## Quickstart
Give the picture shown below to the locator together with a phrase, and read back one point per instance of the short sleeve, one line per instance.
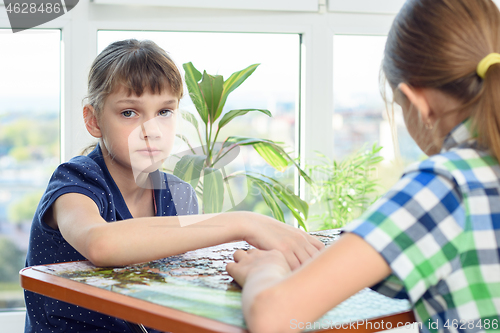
(80, 175)
(415, 227)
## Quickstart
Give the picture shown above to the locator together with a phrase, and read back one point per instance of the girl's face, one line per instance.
(138, 132)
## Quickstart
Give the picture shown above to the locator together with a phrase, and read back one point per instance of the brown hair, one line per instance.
(137, 65)
(438, 44)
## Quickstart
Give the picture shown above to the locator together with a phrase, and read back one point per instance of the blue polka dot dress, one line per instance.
(88, 175)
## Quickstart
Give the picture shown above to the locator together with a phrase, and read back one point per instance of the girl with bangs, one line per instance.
(134, 90)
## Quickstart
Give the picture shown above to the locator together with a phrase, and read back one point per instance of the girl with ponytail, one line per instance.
(434, 237)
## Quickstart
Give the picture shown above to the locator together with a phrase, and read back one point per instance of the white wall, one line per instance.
(12, 322)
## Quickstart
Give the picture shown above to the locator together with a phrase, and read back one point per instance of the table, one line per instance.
(192, 292)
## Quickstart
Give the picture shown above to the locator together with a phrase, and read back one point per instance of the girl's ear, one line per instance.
(90, 118)
(418, 98)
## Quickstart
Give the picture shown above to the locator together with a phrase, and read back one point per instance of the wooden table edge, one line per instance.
(161, 317)
(125, 307)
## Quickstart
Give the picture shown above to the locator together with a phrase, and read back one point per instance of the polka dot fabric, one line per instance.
(89, 176)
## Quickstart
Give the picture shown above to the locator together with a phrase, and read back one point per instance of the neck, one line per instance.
(132, 187)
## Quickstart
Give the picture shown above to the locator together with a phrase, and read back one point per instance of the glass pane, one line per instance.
(346, 188)
(360, 116)
(273, 86)
(29, 142)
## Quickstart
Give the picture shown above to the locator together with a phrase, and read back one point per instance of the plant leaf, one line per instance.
(188, 116)
(233, 82)
(213, 191)
(245, 141)
(289, 197)
(186, 140)
(189, 168)
(192, 76)
(273, 156)
(211, 88)
(269, 199)
(240, 112)
(241, 141)
(295, 204)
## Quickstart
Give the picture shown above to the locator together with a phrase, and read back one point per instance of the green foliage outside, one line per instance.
(10, 286)
(343, 190)
(24, 209)
(202, 167)
(11, 260)
(27, 139)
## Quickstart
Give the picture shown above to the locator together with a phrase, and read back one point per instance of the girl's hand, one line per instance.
(296, 245)
(272, 296)
(254, 261)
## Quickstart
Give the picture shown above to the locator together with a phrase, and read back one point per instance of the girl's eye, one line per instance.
(165, 113)
(128, 113)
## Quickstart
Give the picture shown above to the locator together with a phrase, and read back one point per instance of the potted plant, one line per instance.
(343, 190)
(203, 166)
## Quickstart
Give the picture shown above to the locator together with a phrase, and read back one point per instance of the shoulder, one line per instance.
(79, 175)
(460, 158)
(467, 167)
(83, 166)
(422, 195)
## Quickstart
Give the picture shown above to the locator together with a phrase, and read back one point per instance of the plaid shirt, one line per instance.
(439, 230)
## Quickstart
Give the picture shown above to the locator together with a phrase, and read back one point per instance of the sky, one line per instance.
(29, 69)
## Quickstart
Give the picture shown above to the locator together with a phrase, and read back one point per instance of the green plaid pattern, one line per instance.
(439, 230)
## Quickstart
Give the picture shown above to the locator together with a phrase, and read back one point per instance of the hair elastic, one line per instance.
(486, 63)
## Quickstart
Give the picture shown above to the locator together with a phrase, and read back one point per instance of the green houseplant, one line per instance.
(343, 190)
(201, 166)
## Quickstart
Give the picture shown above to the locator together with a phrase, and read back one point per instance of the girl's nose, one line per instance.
(150, 130)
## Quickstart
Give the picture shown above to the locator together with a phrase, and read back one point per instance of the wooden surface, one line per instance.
(192, 293)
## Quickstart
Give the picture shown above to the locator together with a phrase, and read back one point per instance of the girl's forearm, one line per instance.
(124, 243)
(149, 238)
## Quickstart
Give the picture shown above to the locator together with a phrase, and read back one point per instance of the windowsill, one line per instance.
(12, 320)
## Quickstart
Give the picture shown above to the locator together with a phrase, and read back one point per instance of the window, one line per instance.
(359, 113)
(30, 89)
(29, 143)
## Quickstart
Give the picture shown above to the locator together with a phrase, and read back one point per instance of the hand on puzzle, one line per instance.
(252, 261)
(296, 245)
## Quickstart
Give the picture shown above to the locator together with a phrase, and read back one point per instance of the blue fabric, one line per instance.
(88, 175)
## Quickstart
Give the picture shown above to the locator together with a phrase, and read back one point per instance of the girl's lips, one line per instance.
(149, 152)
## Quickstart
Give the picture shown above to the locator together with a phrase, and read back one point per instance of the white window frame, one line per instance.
(314, 131)
(278, 5)
(366, 6)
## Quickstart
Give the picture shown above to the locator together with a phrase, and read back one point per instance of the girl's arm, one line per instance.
(149, 238)
(276, 300)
